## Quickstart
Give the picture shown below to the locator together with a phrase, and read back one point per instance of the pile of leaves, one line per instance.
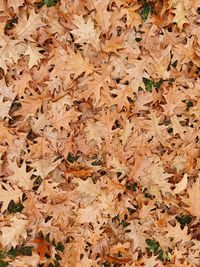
(99, 133)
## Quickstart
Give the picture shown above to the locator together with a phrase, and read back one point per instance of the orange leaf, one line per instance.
(42, 247)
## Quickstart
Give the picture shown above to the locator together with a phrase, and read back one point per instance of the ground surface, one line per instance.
(99, 137)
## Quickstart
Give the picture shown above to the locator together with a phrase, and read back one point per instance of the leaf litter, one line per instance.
(99, 139)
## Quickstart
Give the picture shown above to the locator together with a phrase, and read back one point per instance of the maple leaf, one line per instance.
(86, 32)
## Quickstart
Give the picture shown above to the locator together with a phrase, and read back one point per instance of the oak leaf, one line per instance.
(134, 19)
(97, 86)
(44, 166)
(182, 185)
(156, 180)
(194, 199)
(34, 55)
(17, 230)
(180, 14)
(124, 95)
(177, 233)
(10, 51)
(20, 177)
(27, 26)
(86, 32)
(4, 108)
(102, 15)
(77, 64)
(42, 247)
(6, 91)
(94, 131)
(89, 214)
(15, 4)
(6, 135)
(21, 83)
(8, 193)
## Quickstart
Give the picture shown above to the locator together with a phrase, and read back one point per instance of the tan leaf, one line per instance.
(194, 199)
(27, 26)
(10, 51)
(15, 4)
(86, 32)
(34, 55)
(4, 108)
(94, 132)
(182, 185)
(77, 64)
(12, 234)
(180, 14)
(20, 177)
(177, 233)
(8, 193)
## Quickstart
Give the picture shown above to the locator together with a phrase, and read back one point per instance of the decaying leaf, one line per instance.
(99, 133)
